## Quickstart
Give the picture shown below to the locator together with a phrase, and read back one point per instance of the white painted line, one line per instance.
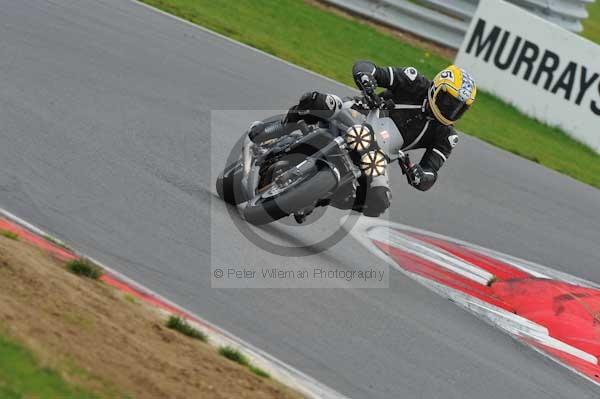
(516, 326)
(27, 225)
(460, 299)
(525, 328)
(466, 302)
(431, 253)
(533, 268)
(280, 370)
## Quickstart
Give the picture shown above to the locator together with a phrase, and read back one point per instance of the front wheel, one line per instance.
(302, 195)
(229, 184)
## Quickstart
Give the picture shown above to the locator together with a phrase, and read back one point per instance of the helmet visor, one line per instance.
(450, 107)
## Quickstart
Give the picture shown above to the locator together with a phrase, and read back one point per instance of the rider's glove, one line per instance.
(366, 82)
(389, 104)
(419, 178)
(415, 175)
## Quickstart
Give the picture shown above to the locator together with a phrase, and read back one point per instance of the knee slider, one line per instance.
(378, 200)
(308, 99)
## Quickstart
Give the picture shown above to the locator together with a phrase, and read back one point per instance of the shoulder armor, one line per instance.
(411, 73)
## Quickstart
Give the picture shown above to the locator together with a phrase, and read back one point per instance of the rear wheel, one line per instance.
(302, 194)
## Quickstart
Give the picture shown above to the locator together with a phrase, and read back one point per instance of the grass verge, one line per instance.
(85, 268)
(9, 234)
(181, 325)
(238, 357)
(591, 26)
(319, 40)
(258, 371)
(21, 376)
(67, 337)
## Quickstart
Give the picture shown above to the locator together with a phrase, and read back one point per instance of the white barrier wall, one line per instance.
(544, 70)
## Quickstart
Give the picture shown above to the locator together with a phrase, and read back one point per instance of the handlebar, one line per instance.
(374, 101)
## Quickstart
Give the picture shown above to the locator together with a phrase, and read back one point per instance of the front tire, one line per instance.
(229, 184)
(304, 195)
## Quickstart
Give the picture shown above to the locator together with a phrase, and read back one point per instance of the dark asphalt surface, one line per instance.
(105, 141)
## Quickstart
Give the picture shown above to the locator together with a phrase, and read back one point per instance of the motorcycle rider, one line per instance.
(424, 112)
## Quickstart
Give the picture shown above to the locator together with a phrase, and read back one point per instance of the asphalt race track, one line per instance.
(105, 140)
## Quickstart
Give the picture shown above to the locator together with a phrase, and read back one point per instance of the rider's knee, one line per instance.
(321, 105)
(377, 201)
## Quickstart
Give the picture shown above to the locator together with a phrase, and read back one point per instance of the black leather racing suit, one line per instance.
(407, 88)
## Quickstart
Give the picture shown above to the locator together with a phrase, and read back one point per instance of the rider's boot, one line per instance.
(261, 131)
(301, 217)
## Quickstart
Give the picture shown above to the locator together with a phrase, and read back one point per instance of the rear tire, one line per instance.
(306, 194)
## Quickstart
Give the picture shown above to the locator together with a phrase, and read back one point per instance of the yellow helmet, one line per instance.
(451, 94)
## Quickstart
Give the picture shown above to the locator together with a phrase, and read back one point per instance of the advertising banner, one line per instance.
(542, 69)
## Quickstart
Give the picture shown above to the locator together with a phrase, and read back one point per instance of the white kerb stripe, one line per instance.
(391, 75)
(440, 154)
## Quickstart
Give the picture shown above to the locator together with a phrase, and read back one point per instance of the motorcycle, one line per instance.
(291, 169)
